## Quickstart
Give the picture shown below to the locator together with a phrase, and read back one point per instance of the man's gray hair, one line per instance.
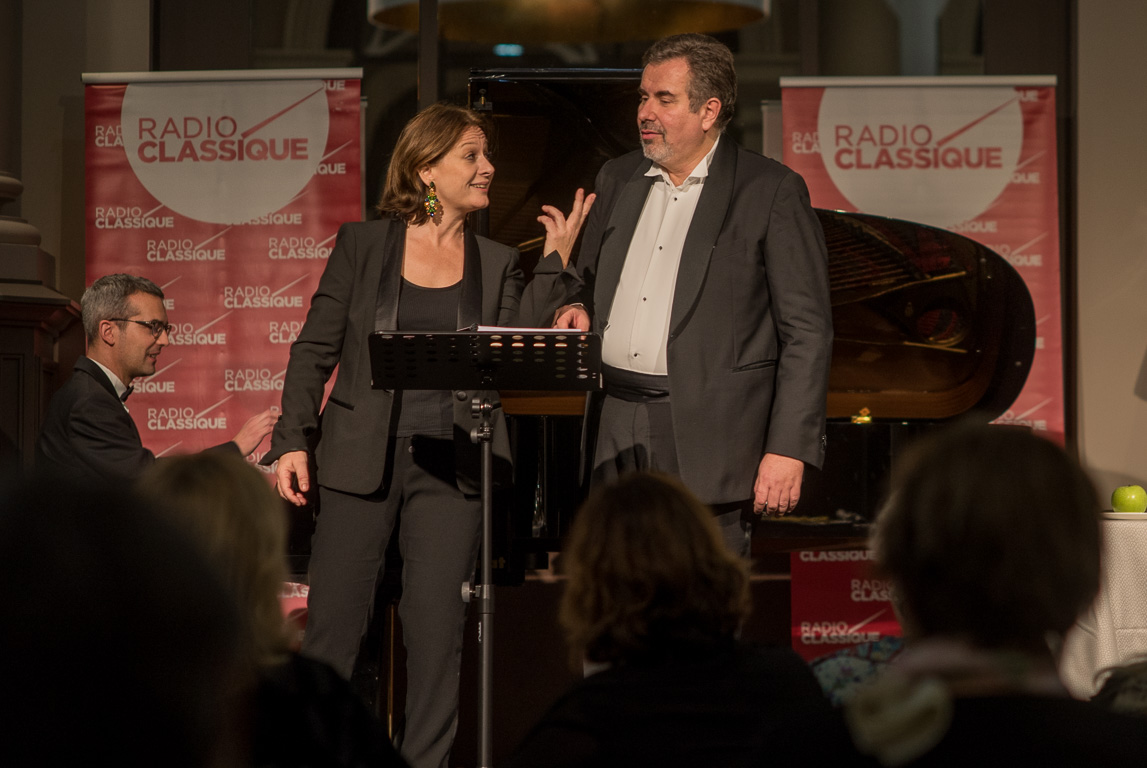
(108, 298)
(711, 71)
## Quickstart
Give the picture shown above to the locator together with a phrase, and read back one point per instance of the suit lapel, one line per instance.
(708, 221)
(85, 365)
(88, 366)
(620, 228)
(470, 303)
(389, 277)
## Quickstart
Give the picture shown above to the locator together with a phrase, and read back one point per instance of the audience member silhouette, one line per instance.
(304, 714)
(119, 644)
(655, 598)
(991, 540)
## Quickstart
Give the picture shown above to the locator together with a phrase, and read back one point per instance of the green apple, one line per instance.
(1129, 498)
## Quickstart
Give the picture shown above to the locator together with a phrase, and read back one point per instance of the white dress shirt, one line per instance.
(120, 387)
(637, 330)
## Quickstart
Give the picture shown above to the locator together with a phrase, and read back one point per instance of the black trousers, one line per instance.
(638, 437)
(438, 538)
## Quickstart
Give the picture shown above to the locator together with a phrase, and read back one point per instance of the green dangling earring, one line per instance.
(432, 206)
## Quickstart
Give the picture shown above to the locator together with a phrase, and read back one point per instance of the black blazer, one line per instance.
(750, 335)
(358, 294)
(88, 435)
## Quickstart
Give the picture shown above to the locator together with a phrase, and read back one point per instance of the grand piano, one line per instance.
(929, 325)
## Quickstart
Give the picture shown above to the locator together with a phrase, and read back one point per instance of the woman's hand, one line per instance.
(562, 230)
(292, 477)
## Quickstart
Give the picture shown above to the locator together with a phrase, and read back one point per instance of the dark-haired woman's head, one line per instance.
(990, 535)
(646, 565)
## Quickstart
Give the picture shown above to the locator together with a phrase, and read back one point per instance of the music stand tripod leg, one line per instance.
(483, 593)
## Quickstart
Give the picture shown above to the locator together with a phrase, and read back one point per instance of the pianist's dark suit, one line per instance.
(89, 435)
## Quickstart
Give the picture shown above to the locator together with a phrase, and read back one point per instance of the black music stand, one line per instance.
(499, 358)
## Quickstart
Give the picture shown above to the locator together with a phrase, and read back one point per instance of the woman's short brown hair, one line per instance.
(424, 141)
(646, 563)
(230, 510)
(990, 534)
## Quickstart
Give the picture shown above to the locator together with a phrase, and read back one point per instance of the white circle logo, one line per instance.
(225, 153)
(939, 156)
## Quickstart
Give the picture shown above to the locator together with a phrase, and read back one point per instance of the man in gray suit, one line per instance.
(705, 272)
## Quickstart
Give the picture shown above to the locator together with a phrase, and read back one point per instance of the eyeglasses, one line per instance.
(157, 327)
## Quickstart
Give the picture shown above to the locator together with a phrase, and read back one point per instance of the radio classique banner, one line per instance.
(837, 602)
(226, 189)
(974, 155)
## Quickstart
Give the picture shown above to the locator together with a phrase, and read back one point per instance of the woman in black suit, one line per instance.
(376, 454)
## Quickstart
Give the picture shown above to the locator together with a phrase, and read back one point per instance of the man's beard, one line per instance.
(658, 152)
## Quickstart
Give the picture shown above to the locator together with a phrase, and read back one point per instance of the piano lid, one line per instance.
(928, 323)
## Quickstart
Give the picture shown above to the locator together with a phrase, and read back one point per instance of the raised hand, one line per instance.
(562, 230)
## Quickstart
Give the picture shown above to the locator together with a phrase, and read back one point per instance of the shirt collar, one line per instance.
(699, 172)
(119, 386)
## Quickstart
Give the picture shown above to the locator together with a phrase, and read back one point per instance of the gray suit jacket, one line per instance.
(358, 294)
(750, 332)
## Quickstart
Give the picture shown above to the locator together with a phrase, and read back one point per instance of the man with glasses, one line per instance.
(88, 431)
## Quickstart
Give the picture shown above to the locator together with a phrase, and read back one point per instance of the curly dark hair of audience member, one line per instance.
(991, 534)
(119, 643)
(712, 74)
(424, 141)
(645, 563)
(108, 297)
(227, 506)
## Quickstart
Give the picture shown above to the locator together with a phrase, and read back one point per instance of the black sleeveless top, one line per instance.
(428, 412)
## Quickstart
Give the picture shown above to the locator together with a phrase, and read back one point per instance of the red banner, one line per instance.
(836, 603)
(973, 155)
(227, 194)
